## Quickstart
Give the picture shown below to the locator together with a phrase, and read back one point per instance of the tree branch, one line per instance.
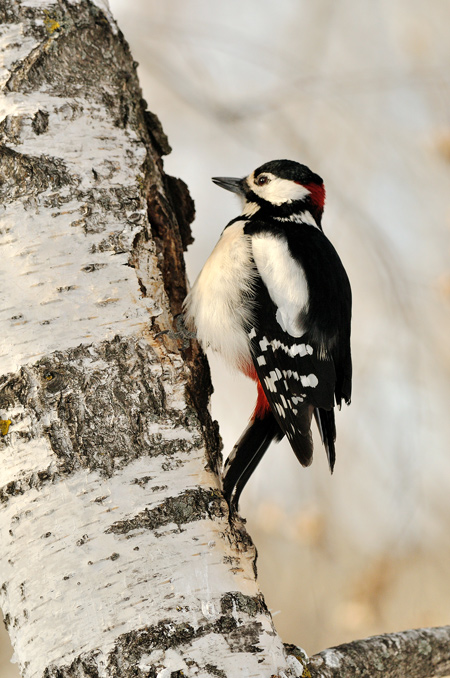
(418, 653)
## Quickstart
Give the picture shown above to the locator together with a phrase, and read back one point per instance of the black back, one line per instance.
(302, 374)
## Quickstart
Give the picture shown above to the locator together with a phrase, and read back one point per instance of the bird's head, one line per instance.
(280, 189)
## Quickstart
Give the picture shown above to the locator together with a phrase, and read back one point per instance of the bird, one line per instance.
(274, 300)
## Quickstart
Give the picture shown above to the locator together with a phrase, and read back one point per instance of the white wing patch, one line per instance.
(284, 278)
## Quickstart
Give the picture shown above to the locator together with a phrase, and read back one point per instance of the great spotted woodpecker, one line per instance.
(274, 299)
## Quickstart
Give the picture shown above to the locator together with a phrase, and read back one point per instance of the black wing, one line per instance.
(296, 381)
(303, 375)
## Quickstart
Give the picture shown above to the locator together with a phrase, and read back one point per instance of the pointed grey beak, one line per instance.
(230, 184)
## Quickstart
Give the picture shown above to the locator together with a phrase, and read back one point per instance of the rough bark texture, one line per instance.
(418, 653)
(117, 555)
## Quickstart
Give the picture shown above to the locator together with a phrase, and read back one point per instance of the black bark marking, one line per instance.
(132, 646)
(85, 400)
(21, 175)
(236, 601)
(187, 507)
(40, 122)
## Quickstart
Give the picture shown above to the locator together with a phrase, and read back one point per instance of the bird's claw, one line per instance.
(182, 333)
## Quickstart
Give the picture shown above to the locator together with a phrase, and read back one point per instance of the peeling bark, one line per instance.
(117, 556)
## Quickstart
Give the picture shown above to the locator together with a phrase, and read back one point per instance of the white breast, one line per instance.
(219, 304)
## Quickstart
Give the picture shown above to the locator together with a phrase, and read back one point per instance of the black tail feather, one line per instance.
(254, 442)
(327, 428)
(300, 437)
(246, 455)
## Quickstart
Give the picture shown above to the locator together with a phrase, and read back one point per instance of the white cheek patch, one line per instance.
(278, 191)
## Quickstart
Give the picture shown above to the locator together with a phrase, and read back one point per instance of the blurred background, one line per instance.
(360, 92)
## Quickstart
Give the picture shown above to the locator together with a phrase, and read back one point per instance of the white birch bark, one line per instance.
(117, 557)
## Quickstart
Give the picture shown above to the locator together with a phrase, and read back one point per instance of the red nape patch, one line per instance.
(317, 194)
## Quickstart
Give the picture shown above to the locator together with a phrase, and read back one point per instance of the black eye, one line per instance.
(262, 180)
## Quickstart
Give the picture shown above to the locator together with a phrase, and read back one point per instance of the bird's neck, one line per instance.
(305, 212)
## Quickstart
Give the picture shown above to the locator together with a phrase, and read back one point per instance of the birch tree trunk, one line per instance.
(117, 556)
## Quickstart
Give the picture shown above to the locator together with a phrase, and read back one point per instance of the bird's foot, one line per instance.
(181, 333)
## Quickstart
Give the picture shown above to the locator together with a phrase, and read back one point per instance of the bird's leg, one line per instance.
(182, 333)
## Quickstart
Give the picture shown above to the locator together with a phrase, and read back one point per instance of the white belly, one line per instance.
(218, 304)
